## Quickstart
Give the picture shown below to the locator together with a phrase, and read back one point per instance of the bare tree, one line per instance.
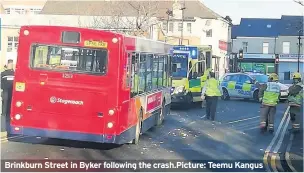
(299, 2)
(131, 17)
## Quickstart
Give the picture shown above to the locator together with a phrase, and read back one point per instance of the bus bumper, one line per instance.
(122, 138)
(178, 98)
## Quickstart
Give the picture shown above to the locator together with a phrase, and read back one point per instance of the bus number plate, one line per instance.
(67, 75)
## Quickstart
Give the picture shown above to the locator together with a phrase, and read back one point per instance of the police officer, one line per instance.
(269, 95)
(7, 79)
(204, 79)
(211, 92)
(295, 101)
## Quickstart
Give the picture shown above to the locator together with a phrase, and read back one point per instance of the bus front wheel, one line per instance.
(138, 128)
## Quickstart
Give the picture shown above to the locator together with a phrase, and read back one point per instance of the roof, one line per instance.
(125, 8)
(234, 31)
(291, 25)
(256, 27)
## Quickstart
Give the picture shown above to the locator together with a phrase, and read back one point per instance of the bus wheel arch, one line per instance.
(138, 127)
(162, 114)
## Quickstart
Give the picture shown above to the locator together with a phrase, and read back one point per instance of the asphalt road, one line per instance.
(185, 134)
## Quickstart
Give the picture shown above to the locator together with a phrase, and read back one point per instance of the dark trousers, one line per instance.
(6, 107)
(267, 116)
(211, 104)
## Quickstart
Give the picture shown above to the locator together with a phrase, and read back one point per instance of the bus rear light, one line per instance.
(26, 32)
(17, 128)
(110, 125)
(18, 104)
(111, 112)
(109, 137)
(17, 116)
(114, 40)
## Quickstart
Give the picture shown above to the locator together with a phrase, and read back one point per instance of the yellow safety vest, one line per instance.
(212, 87)
(272, 93)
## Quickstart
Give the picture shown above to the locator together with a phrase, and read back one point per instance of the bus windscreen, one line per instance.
(71, 59)
(180, 65)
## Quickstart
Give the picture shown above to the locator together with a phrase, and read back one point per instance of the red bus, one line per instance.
(89, 85)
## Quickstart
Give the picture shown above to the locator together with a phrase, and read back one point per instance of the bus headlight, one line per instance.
(179, 89)
(18, 104)
(110, 125)
(17, 116)
(111, 112)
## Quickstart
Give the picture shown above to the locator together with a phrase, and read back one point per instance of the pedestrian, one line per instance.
(7, 80)
(211, 92)
(269, 95)
(295, 101)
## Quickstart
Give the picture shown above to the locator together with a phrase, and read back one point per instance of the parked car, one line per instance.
(246, 85)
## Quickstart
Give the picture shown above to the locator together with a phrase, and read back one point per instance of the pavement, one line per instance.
(185, 135)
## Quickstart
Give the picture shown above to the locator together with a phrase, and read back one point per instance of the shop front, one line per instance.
(260, 63)
(288, 65)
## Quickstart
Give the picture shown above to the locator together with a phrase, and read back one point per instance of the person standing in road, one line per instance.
(7, 80)
(295, 101)
(269, 95)
(211, 92)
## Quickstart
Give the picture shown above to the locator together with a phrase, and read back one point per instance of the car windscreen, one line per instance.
(179, 65)
(71, 59)
(260, 78)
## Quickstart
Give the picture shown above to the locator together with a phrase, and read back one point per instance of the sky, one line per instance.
(238, 9)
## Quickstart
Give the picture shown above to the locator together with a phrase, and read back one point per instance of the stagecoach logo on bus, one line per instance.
(59, 100)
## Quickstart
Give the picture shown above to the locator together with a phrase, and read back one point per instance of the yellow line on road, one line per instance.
(236, 121)
(287, 154)
(267, 151)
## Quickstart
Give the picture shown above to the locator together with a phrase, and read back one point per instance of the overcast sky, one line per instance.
(238, 9)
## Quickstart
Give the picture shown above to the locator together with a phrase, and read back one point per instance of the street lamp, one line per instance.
(299, 50)
(169, 13)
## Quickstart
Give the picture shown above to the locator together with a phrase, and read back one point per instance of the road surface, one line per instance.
(185, 135)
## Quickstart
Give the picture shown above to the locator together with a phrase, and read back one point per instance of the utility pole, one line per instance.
(169, 13)
(182, 32)
(299, 50)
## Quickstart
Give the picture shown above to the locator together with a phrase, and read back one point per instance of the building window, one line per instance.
(35, 10)
(208, 23)
(171, 27)
(209, 33)
(265, 48)
(165, 26)
(180, 26)
(189, 29)
(7, 11)
(286, 47)
(245, 47)
(12, 44)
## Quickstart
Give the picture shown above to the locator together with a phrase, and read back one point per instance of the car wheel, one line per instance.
(225, 95)
(256, 96)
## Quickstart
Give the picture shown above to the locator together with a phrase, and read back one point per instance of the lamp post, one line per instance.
(299, 50)
(182, 32)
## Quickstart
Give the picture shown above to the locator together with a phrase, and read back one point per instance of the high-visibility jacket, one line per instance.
(271, 94)
(212, 87)
(296, 99)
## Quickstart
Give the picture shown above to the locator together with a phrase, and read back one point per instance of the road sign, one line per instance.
(192, 49)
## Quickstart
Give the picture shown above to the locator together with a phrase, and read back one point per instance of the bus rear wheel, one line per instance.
(162, 114)
(138, 128)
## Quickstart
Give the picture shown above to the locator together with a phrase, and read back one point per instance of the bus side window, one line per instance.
(161, 74)
(134, 74)
(155, 71)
